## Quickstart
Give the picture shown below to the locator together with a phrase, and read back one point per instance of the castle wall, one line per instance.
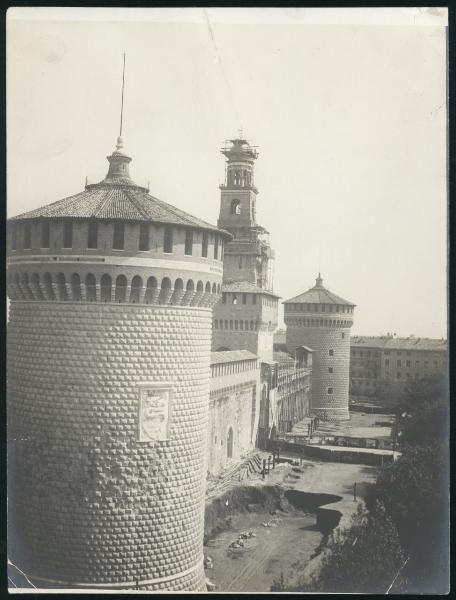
(94, 505)
(234, 404)
(245, 321)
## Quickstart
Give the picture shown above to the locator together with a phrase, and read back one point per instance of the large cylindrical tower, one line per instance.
(321, 320)
(109, 344)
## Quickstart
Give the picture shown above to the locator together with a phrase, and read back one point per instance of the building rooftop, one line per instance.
(397, 343)
(283, 357)
(231, 356)
(118, 197)
(246, 287)
(318, 294)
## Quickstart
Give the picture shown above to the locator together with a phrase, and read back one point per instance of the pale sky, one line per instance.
(350, 121)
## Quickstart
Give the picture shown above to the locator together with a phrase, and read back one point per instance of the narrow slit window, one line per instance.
(119, 236)
(216, 243)
(14, 236)
(189, 241)
(68, 234)
(92, 239)
(45, 234)
(168, 240)
(205, 244)
(27, 235)
(144, 242)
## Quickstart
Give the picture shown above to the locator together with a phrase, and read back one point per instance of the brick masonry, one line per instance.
(92, 504)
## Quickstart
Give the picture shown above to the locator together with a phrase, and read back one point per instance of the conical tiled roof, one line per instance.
(318, 295)
(117, 197)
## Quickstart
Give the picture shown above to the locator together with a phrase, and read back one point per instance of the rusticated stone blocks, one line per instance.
(91, 504)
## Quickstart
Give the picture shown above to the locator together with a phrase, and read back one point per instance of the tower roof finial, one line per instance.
(119, 145)
(319, 281)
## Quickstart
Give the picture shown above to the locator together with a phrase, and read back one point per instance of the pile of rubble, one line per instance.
(244, 535)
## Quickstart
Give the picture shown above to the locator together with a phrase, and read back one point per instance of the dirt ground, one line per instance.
(289, 546)
(275, 549)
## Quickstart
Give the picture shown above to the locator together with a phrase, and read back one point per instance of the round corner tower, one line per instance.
(109, 344)
(321, 320)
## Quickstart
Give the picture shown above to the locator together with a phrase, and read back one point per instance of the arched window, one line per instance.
(190, 285)
(208, 288)
(91, 291)
(235, 207)
(36, 287)
(229, 443)
(106, 288)
(178, 289)
(214, 288)
(121, 289)
(136, 287)
(164, 292)
(61, 287)
(200, 286)
(151, 287)
(47, 280)
(75, 287)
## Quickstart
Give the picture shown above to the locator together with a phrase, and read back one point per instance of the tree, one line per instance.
(424, 411)
(363, 558)
(414, 491)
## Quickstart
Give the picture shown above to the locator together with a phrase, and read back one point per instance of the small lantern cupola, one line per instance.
(319, 281)
(118, 165)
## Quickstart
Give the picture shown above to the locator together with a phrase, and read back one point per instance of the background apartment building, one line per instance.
(382, 366)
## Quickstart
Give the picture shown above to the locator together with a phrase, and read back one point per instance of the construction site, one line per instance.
(269, 516)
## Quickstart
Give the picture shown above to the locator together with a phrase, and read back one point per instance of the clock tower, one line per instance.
(249, 256)
(246, 318)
